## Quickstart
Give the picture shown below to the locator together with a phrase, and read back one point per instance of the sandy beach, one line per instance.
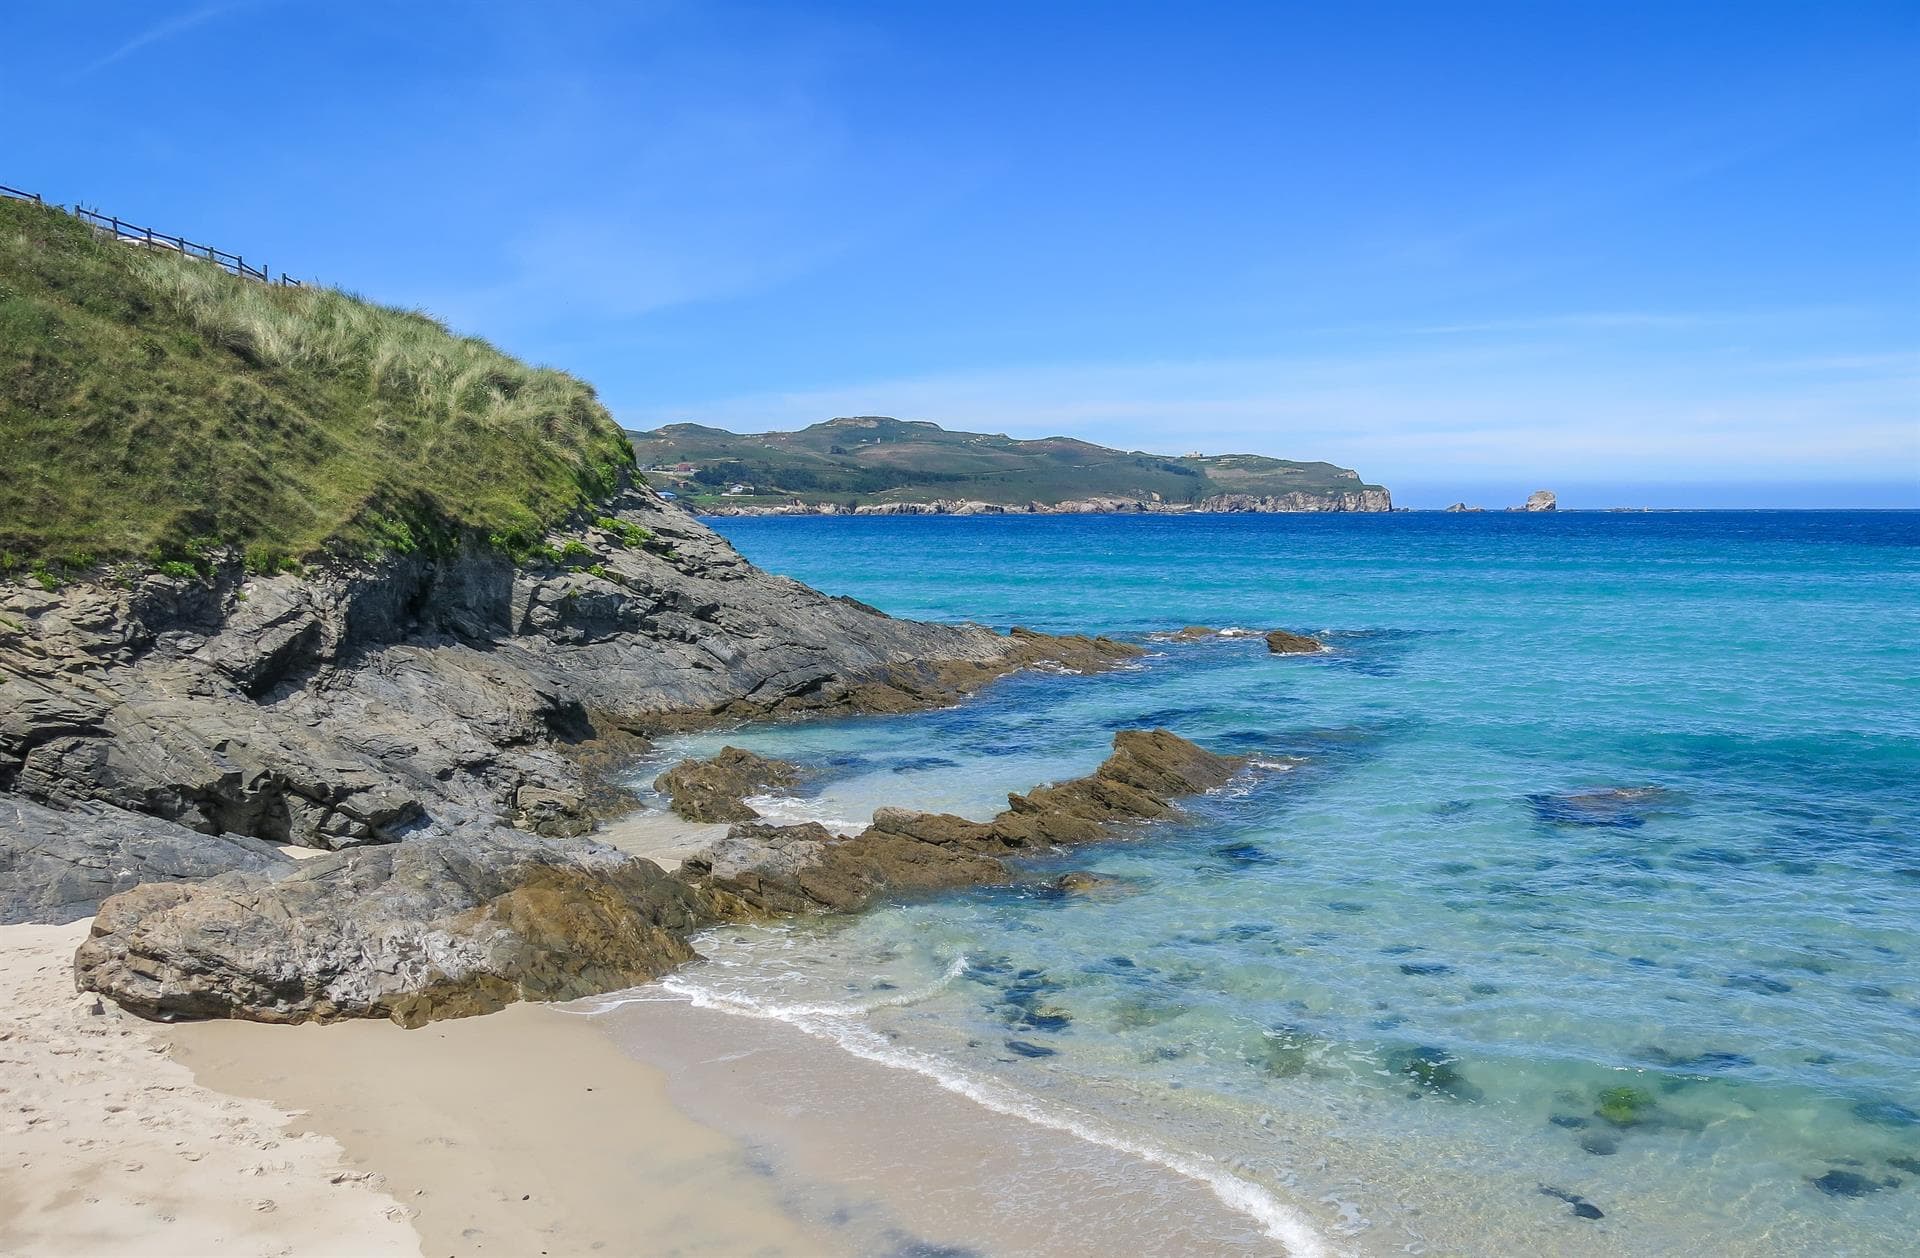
(524, 1132)
(110, 1147)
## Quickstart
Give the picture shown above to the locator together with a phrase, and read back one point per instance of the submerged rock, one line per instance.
(433, 928)
(1435, 1069)
(1581, 1207)
(1626, 807)
(1280, 642)
(712, 790)
(1625, 1106)
(1850, 1184)
(1083, 882)
(1887, 1114)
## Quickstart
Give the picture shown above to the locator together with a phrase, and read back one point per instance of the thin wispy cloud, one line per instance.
(179, 24)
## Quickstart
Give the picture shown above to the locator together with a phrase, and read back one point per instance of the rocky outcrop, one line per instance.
(793, 869)
(1280, 642)
(713, 790)
(464, 923)
(1539, 500)
(433, 928)
(62, 864)
(359, 704)
(1461, 506)
(1343, 500)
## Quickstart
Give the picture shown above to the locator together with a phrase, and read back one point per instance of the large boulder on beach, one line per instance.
(713, 790)
(58, 865)
(431, 928)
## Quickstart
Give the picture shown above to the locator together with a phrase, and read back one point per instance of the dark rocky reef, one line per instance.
(715, 789)
(418, 695)
(1280, 642)
(794, 869)
(464, 923)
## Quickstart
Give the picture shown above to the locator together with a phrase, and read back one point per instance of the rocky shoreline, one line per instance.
(451, 926)
(154, 723)
(1218, 504)
(437, 736)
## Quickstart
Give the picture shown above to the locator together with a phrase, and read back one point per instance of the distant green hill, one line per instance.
(877, 460)
(153, 407)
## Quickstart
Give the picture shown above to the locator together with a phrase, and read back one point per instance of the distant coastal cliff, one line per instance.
(1369, 499)
(874, 465)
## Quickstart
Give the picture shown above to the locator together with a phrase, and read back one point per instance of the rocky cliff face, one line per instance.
(1344, 500)
(416, 696)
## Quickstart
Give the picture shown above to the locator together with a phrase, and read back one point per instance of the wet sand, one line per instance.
(900, 1163)
(524, 1132)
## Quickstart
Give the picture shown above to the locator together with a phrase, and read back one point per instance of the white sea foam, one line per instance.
(841, 1024)
(787, 810)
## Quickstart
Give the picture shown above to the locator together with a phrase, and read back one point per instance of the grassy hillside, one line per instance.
(875, 459)
(153, 407)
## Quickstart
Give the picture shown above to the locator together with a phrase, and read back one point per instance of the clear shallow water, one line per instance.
(1399, 988)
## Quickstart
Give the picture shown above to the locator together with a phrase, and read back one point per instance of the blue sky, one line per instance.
(1659, 253)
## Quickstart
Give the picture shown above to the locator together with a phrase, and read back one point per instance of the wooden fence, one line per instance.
(147, 238)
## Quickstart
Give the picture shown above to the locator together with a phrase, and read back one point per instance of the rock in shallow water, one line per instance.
(788, 869)
(1280, 642)
(1849, 1184)
(712, 790)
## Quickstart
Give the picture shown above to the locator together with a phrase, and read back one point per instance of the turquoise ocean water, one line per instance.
(1400, 985)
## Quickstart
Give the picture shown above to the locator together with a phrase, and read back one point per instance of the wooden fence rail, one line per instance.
(146, 237)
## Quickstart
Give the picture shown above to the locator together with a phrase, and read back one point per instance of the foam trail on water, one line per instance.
(838, 1023)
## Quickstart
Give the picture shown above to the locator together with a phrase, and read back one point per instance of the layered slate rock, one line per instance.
(1280, 642)
(58, 866)
(365, 703)
(715, 790)
(431, 928)
(793, 869)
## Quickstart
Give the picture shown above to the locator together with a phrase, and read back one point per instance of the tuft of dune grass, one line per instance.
(154, 407)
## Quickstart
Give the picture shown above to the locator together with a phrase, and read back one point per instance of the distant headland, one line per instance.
(876, 465)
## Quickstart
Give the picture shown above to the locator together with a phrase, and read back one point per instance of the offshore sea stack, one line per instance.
(462, 924)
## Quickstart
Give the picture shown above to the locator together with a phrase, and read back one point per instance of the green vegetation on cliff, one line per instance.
(877, 460)
(153, 407)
